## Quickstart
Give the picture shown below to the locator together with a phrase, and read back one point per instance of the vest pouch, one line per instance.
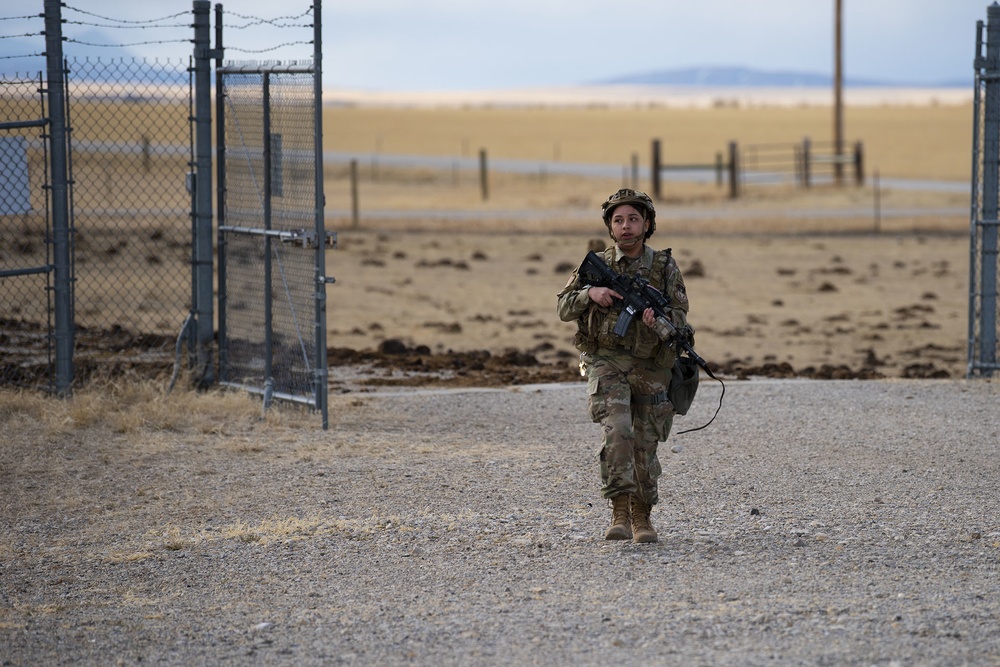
(683, 384)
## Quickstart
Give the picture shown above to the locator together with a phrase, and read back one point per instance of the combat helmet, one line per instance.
(636, 198)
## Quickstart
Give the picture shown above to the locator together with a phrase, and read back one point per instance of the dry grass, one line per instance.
(132, 407)
(900, 141)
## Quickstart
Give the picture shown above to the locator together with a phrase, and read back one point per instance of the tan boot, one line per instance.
(620, 518)
(642, 529)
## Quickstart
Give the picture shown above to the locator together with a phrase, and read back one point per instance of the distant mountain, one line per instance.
(742, 76)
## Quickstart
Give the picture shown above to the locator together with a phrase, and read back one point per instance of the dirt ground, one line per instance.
(468, 308)
(480, 308)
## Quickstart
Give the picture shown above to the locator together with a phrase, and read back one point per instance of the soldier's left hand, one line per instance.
(648, 317)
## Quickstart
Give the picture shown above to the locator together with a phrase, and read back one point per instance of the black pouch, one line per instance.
(683, 384)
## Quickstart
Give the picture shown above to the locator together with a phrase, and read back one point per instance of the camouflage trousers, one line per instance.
(627, 396)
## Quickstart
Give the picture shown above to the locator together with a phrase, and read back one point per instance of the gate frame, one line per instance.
(321, 239)
(985, 201)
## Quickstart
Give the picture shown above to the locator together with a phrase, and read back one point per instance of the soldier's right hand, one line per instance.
(603, 296)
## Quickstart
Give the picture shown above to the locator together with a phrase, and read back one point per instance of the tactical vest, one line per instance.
(594, 327)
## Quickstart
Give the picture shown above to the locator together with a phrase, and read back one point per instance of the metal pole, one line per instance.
(220, 198)
(838, 102)
(268, 298)
(320, 204)
(991, 195)
(978, 63)
(63, 287)
(203, 268)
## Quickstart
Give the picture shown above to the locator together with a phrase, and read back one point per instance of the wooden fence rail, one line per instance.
(760, 164)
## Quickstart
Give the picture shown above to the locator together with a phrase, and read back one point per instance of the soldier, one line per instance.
(628, 376)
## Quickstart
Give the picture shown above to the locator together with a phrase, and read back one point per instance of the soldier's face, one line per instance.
(628, 226)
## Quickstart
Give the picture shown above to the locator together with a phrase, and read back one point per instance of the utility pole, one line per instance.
(838, 101)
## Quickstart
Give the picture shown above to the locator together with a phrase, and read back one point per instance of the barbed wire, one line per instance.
(256, 20)
(26, 55)
(272, 48)
(137, 23)
(127, 27)
(249, 21)
(28, 17)
(122, 45)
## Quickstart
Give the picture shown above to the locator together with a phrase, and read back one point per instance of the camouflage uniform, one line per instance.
(627, 377)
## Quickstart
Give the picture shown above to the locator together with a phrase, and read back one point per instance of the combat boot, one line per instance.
(642, 529)
(620, 518)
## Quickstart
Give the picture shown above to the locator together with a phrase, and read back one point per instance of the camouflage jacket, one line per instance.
(595, 323)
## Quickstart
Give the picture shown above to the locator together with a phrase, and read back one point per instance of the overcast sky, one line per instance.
(408, 45)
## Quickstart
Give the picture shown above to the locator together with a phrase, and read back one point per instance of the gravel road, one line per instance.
(815, 523)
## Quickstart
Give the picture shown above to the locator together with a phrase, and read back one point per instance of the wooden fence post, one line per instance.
(878, 204)
(483, 175)
(719, 169)
(806, 162)
(859, 163)
(654, 169)
(734, 170)
(354, 194)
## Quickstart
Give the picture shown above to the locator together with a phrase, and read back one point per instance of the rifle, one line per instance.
(638, 295)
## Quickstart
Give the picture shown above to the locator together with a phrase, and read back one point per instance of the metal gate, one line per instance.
(26, 257)
(271, 235)
(985, 217)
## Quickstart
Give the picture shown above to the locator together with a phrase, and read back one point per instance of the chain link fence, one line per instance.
(267, 286)
(130, 148)
(25, 236)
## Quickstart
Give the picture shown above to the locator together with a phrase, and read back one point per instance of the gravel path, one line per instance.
(814, 523)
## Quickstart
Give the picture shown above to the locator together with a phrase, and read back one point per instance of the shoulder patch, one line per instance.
(681, 294)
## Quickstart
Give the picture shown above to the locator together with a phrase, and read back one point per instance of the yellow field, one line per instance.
(925, 142)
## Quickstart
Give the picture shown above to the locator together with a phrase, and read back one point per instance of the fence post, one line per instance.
(806, 162)
(635, 171)
(354, 194)
(878, 203)
(859, 163)
(484, 185)
(322, 372)
(61, 242)
(220, 212)
(203, 260)
(991, 194)
(654, 169)
(734, 170)
(719, 169)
